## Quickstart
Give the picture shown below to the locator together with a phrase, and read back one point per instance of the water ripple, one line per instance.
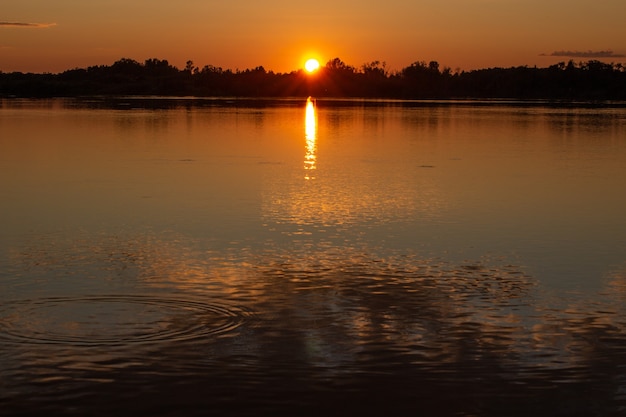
(96, 320)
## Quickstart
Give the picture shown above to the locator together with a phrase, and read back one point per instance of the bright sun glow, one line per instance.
(312, 65)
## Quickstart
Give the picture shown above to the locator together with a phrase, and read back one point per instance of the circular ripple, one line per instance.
(114, 320)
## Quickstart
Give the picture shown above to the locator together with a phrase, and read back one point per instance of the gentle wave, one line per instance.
(94, 320)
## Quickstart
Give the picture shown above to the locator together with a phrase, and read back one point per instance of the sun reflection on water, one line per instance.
(310, 134)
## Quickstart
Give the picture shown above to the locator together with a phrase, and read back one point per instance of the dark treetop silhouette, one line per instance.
(591, 80)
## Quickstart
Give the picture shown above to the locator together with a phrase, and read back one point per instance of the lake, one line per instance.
(291, 257)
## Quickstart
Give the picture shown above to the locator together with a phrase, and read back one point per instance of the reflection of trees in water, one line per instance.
(338, 328)
(479, 330)
(423, 306)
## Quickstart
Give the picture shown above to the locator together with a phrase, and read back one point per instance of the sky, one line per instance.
(52, 36)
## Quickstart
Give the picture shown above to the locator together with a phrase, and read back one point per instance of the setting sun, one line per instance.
(312, 65)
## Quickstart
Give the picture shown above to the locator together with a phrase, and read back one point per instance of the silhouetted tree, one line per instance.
(585, 80)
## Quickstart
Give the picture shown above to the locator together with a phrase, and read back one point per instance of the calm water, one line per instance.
(187, 257)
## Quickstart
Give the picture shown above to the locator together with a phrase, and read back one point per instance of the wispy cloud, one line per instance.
(586, 54)
(26, 25)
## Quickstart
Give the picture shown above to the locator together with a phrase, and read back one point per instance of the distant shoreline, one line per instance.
(134, 102)
(588, 81)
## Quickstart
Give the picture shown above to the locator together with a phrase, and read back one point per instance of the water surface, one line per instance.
(242, 257)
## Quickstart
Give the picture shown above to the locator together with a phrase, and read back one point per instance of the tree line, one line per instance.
(590, 80)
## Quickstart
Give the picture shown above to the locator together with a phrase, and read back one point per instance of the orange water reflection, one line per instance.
(354, 187)
(310, 129)
(210, 204)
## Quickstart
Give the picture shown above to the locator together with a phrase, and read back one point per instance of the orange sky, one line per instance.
(51, 36)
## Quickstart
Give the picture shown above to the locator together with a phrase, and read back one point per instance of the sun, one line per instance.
(312, 65)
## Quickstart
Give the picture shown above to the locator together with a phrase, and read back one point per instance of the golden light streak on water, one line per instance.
(310, 129)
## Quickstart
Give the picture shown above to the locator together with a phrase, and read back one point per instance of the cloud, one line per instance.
(586, 54)
(26, 25)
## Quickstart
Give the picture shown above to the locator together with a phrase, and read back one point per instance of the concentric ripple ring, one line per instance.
(95, 320)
